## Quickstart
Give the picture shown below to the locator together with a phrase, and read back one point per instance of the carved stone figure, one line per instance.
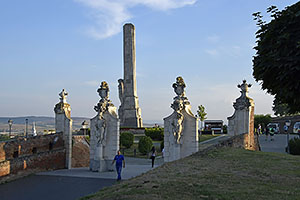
(121, 90)
(104, 140)
(242, 119)
(63, 95)
(181, 127)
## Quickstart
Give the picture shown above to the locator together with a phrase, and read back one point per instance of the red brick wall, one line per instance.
(80, 152)
(38, 153)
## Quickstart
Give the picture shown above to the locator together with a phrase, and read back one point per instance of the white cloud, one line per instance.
(212, 52)
(110, 15)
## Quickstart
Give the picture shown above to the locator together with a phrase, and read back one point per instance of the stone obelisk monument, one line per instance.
(129, 110)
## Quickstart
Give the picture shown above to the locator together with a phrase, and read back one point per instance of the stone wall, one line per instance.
(80, 151)
(39, 153)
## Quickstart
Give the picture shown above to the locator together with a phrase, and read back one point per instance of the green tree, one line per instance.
(277, 60)
(280, 109)
(145, 145)
(126, 139)
(201, 114)
(263, 120)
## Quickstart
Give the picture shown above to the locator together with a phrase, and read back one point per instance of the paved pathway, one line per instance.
(277, 145)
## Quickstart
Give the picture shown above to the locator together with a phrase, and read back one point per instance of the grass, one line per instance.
(207, 137)
(225, 173)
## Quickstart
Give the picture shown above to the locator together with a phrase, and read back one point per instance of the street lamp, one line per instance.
(286, 128)
(26, 127)
(10, 122)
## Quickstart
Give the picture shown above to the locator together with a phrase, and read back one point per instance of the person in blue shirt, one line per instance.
(119, 159)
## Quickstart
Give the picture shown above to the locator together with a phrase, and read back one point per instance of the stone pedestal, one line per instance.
(63, 124)
(129, 110)
(242, 120)
(104, 140)
(181, 127)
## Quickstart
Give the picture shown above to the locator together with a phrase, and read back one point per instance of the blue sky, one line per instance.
(75, 44)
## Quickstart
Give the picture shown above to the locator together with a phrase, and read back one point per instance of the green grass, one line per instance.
(225, 173)
(207, 137)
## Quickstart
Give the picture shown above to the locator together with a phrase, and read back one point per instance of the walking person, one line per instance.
(119, 159)
(272, 132)
(153, 154)
(267, 133)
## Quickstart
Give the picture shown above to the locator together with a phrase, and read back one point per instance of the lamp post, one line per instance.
(10, 122)
(286, 127)
(26, 128)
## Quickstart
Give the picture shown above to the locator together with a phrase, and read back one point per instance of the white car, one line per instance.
(296, 128)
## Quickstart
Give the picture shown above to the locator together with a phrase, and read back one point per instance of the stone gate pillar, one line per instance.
(181, 127)
(63, 123)
(104, 141)
(242, 120)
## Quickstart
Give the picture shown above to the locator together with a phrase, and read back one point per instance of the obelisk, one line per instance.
(129, 110)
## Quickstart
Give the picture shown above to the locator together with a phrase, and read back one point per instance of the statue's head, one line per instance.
(103, 90)
(179, 86)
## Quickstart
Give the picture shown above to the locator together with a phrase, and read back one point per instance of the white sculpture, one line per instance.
(180, 133)
(104, 141)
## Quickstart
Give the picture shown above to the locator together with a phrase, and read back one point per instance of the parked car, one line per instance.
(296, 128)
(275, 126)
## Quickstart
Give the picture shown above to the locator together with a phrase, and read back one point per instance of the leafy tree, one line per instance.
(126, 139)
(201, 114)
(263, 120)
(155, 133)
(145, 145)
(280, 109)
(277, 60)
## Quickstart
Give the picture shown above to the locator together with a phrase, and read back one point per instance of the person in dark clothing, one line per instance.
(153, 154)
(119, 159)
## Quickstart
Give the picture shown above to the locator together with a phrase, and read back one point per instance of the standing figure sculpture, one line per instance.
(104, 131)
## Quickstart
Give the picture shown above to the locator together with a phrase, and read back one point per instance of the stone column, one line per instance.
(104, 140)
(181, 127)
(129, 110)
(242, 121)
(63, 124)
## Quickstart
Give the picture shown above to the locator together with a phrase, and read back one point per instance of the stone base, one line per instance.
(101, 165)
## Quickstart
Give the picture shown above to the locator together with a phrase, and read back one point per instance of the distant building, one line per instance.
(213, 125)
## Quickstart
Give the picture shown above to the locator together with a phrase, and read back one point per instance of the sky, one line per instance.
(46, 46)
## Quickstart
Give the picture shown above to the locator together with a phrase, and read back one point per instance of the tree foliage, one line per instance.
(145, 145)
(126, 139)
(277, 60)
(263, 120)
(201, 113)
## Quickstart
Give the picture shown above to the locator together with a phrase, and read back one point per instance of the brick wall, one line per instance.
(80, 152)
(20, 156)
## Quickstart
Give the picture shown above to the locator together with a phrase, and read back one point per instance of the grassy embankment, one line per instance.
(226, 173)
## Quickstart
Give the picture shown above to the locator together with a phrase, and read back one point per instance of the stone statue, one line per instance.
(177, 121)
(63, 95)
(243, 101)
(121, 90)
(104, 102)
(100, 131)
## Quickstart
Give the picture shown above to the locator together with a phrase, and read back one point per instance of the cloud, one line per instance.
(110, 15)
(212, 52)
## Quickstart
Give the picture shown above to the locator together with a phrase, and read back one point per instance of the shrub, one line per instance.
(155, 133)
(294, 146)
(126, 139)
(145, 144)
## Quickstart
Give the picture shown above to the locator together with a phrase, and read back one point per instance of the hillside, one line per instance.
(226, 173)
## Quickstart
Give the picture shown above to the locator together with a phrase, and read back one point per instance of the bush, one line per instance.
(155, 133)
(126, 139)
(294, 146)
(145, 144)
